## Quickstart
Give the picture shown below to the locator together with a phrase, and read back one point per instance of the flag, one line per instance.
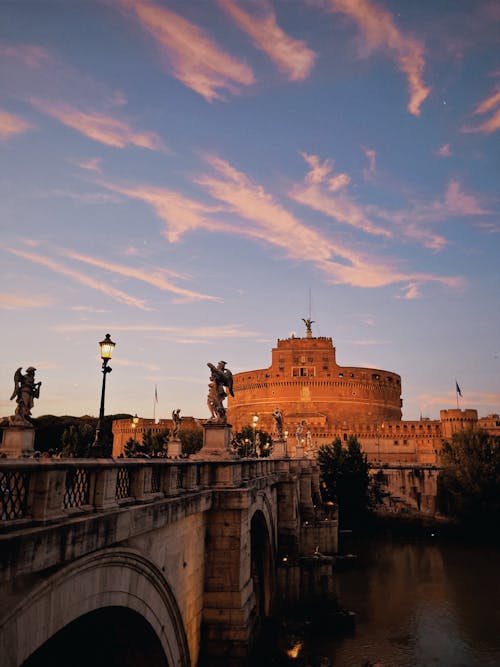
(155, 404)
(458, 389)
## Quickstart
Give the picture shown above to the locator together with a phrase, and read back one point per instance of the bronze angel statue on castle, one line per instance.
(220, 377)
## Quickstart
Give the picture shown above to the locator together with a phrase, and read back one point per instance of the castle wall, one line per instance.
(306, 383)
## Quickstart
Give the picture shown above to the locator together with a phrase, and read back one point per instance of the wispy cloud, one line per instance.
(274, 225)
(371, 156)
(31, 55)
(444, 151)
(487, 400)
(81, 278)
(10, 301)
(92, 164)
(99, 127)
(137, 364)
(492, 124)
(155, 277)
(321, 192)
(291, 56)
(194, 58)
(222, 331)
(180, 214)
(413, 222)
(10, 125)
(381, 33)
(87, 197)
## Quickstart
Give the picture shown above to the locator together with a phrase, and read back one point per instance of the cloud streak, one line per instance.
(492, 124)
(194, 58)
(380, 33)
(318, 192)
(274, 225)
(154, 277)
(21, 302)
(291, 56)
(222, 331)
(99, 127)
(80, 278)
(11, 125)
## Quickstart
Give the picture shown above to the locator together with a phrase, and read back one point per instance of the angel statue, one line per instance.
(25, 392)
(176, 421)
(220, 377)
(278, 423)
(308, 324)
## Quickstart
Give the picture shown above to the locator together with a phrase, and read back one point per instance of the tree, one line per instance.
(247, 444)
(345, 480)
(191, 440)
(470, 481)
(152, 445)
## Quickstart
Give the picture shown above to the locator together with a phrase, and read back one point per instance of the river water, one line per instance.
(422, 602)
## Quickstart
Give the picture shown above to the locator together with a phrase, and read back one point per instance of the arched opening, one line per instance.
(262, 565)
(107, 637)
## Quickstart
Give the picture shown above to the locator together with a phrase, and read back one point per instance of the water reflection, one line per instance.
(418, 604)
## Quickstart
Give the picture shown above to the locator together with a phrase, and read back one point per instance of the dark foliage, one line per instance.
(345, 481)
(151, 445)
(191, 440)
(246, 444)
(470, 481)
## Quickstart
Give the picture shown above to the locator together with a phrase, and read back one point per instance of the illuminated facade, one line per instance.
(321, 401)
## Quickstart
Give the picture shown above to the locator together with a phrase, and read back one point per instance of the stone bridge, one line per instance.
(152, 562)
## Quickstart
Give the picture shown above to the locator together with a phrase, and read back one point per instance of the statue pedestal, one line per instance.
(18, 441)
(174, 448)
(216, 443)
(280, 450)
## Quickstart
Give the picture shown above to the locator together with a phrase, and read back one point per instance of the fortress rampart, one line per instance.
(306, 383)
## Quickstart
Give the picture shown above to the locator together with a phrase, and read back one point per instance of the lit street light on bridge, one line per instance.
(107, 346)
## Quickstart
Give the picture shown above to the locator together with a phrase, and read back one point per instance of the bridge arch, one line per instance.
(120, 581)
(263, 552)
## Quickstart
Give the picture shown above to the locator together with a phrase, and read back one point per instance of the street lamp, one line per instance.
(255, 419)
(107, 346)
(135, 421)
(286, 443)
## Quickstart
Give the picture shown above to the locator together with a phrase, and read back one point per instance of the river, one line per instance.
(419, 602)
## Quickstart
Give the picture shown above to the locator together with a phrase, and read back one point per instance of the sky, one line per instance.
(194, 177)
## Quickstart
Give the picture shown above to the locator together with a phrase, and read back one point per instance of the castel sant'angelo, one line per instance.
(321, 400)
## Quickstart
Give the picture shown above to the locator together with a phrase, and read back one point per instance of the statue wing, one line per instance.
(229, 381)
(17, 381)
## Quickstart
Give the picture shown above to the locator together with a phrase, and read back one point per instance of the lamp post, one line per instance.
(107, 346)
(135, 421)
(255, 419)
(286, 443)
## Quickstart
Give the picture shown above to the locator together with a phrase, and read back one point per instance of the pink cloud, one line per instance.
(492, 124)
(31, 55)
(92, 164)
(22, 302)
(371, 156)
(380, 33)
(195, 59)
(315, 193)
(291, 56)
(180, 213)
(413, 222)
(11, 125)
(81, 278)
(98, 126)
(155, 277)
(274, 225)
(444, 151)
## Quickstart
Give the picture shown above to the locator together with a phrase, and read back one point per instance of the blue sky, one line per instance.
(184, 175)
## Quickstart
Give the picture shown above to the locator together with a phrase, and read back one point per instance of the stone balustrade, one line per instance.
(47, 490)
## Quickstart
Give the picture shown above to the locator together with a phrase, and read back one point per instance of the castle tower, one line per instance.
(305, 381)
